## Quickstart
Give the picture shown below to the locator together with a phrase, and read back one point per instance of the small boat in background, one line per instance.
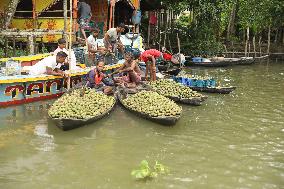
(220, 61)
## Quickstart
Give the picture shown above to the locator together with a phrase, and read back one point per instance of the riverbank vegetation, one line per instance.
(212, 27)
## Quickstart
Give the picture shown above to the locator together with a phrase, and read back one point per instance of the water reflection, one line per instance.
(42, 140)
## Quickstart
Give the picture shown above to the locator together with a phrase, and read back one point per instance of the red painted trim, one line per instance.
(28, 100)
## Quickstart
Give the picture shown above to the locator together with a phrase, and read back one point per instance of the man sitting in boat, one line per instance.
(131, 71)
(49, 65)
(97, 79)
(94, 46)
(149, 57)
(68, 64)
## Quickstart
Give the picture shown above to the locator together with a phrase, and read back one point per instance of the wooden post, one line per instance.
(178, 42)
(149, 32)
(268, 40)
(159, 29)
(166, 28)
(247, 39)
(65, 11)
(248, 49)
(113, 11)
(6, 47)
(31, 44)
(34, 14)
(253, 41)
(259, 44)
(70, 44)
(14, 46)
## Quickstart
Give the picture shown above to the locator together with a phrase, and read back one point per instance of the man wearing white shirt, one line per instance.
(93, 43)
(49, 65)
(66, 65)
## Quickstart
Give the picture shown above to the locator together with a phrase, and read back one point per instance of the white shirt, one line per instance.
(73, 62)
(40, 67)
(113, 34)
(94, 42)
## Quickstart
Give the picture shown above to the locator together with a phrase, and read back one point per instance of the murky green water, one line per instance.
(232, 141)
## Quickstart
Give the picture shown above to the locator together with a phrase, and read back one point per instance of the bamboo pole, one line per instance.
(259, 44)
(6, 47)
(159, 28)
(247, 39)
(149, 32)
(178, 42)
(253, 41)
(65, 20)
(268, 40)
(70, 44)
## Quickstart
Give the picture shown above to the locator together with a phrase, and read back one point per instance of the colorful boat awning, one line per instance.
(42, 5)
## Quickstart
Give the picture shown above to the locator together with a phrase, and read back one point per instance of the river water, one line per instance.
(231, 141)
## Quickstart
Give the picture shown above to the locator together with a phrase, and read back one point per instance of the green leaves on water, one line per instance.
(146, 172)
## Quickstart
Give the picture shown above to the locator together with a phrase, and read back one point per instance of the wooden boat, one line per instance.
(224, 62)
(68, 124)
(196, 101)
(165, 120)
(172, 71)
(19, 89)
(220, 90)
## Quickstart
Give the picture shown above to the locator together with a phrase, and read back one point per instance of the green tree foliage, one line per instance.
(206, 27)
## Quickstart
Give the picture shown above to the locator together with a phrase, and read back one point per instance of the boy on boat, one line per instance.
(97, 79)
(50, 65)
(94, 46)
(131, 71)
(68, 64)
(149, 57)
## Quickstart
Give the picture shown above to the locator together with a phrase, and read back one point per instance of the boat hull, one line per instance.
(69, 124)
(220, 90)
(167, 121)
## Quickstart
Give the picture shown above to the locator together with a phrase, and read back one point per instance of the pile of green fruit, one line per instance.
(170, 88)
(81, 106)
(153, 104)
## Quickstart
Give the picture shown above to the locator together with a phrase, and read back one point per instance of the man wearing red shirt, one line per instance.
(149, 57)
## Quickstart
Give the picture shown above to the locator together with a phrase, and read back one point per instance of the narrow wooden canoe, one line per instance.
(68, 124)
(224, 62)
(220, 90)
(196, 101)
(164, 120)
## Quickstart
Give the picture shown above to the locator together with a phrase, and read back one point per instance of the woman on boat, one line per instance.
(97, 79)
(149, 57)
